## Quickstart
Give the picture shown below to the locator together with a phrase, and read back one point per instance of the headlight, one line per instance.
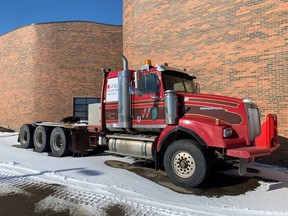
(227, 132)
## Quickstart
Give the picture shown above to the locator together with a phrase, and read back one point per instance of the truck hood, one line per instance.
(210, 98)
(227, 109)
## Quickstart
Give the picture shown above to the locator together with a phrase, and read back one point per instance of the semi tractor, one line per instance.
(157, 113)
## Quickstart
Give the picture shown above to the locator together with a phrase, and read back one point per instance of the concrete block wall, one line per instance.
(236, 48)
(43, 66)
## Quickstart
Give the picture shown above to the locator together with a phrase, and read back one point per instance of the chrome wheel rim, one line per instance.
(183, 164)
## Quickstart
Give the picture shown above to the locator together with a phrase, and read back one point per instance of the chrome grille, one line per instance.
(253, 118)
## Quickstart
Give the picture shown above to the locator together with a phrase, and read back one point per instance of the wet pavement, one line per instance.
(26, 204)
(39, 199)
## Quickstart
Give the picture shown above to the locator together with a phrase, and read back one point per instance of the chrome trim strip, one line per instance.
(149, 126)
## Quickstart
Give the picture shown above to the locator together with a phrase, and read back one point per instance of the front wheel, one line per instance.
(186, 163)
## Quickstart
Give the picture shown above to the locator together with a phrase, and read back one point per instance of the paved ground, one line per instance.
(32, 193)
(25, 204)
(30, 200)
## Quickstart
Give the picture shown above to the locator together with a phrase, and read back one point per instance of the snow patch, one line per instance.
(8, 189)
(7, 134)
(60, 205)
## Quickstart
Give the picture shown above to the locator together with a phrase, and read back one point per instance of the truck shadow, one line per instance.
(279, 157)
(219, 184)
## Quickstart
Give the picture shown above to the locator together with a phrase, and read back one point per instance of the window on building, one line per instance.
(80, 106)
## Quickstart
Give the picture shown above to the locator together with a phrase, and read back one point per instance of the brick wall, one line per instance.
(44, 66)
(237, 48)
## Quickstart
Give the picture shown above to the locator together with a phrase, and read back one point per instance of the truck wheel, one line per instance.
(185, 163)
(41, 139)
(59, 142)
(26, 136)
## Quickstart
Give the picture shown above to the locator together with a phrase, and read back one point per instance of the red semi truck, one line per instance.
(158, 114)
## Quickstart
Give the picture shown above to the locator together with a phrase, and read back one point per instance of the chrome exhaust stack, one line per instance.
(124, 99)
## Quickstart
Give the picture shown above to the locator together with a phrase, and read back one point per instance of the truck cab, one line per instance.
(146, 100)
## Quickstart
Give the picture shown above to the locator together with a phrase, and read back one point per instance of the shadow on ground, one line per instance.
(219, 184)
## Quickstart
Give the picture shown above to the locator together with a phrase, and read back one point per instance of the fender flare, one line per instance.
(179, 128)
(194, 134)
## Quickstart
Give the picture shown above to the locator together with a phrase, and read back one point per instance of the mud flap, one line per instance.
(243, 166)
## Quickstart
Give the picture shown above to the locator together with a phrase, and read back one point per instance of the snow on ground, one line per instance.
(94, 185)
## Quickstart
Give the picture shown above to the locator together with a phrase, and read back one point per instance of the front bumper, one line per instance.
(265, 143)
(251, 152)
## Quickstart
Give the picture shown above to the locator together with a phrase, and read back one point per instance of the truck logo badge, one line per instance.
(211, 108)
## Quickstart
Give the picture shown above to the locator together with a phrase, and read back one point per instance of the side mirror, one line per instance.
(137, 80)
(138, 83)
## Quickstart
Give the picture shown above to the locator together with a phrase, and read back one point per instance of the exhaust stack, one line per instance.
(124, 99)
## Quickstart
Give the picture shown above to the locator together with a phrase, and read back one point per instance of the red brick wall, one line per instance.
(234, 47)
(44, 66)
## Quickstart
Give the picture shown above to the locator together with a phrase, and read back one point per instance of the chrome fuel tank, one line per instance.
(142, 146)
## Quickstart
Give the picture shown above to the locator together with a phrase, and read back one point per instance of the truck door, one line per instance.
(148, 104)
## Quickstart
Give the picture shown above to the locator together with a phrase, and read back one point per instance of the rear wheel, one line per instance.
(186, 163)
(59, 142)
(26, 136)
(41, 139)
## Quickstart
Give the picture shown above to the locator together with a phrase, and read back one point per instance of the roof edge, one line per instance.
(56, 22)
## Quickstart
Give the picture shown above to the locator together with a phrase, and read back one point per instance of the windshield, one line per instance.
(178, 81)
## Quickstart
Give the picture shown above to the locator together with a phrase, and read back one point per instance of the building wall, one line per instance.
(43, 66)
(236, 48)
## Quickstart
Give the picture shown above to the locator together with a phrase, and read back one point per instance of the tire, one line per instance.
(26, 136)
(186, 164)
(41, 139)
(59, 142)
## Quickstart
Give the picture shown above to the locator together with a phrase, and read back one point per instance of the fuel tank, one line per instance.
(142, 146)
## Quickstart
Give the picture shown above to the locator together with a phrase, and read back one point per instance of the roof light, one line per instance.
(148, 62)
